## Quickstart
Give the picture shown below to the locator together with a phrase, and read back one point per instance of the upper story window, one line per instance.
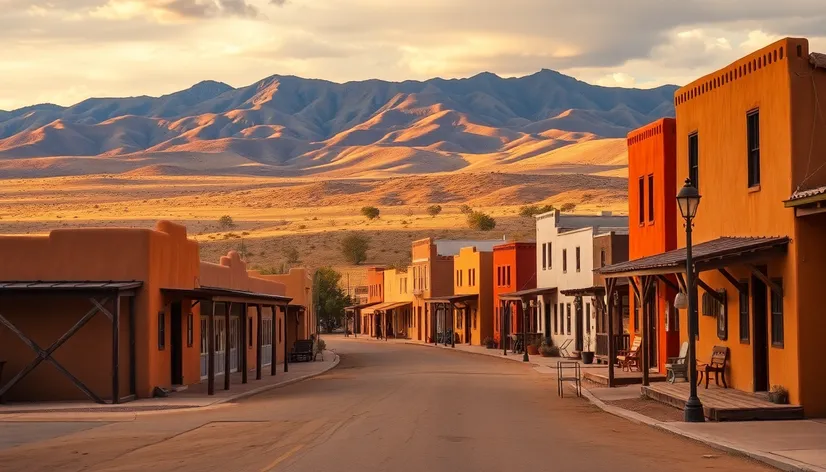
(602, 257)
(651, 198)
(544, 256)
(564, 260)
(577, 259)
(694, 159)
(509, 276)
(641, 200)
(753, 125)
(550, 256)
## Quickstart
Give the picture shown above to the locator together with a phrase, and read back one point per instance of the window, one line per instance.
(577, 259)
(651, 198)
(641, 200)
(509, 275)
(753, 125)
(556, 321)
(190, 335)
(694, 159)
(587, 318)
(602, 258)
(544, 256)
(777, 316)
(550, 256)
(564, 260)
(568, 318)
(161, 331)
(744, 312)
(499, 276)
(249, 330)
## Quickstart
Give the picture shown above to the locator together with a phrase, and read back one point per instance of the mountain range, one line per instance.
(290, 126)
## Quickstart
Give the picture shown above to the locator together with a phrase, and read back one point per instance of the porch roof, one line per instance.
(219, 294)
(716, 253)
(453, 298)
(529, 293)
(807, 202)
(572, 292)
(359, 307)
(67, 287)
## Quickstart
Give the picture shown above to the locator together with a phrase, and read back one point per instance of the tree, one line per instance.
(529, 211)
(225, 222)
(291, 254)
(434, 210)
(567, 207)
(329, 298)
(481, 221)
(243, 251)
(370, 212)
(354, 247)
(465, 209)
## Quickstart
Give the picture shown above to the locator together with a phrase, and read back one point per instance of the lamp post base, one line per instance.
(525, 356)
(694, 411)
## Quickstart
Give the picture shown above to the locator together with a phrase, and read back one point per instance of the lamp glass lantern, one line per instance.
(688, 199)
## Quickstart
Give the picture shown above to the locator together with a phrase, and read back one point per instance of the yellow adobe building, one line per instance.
(473, 275)
(397, 308)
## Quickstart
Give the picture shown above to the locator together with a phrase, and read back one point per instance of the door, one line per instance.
(578, 327)
(204, 347)
(266, 341)
(220, 344)
(547, 321)
(651, 313)
(419, 324)
(176, 344)
(760, 343)
(234, 342)
(469, 315)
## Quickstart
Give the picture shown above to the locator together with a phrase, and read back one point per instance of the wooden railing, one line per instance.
(621, 341)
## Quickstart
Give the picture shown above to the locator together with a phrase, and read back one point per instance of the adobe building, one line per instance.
(371, 323)
(652, 156)
(397, 307)
(752, 139)
(514, 270)
(301, 317)
(118, 313)
(472, 297)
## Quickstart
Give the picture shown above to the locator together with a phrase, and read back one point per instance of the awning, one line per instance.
(585, 291)
(527, 294)
(218, 294)
(453, 298)
(387, 306)
(67, 287)
(360, 307)
(717, 253)
(807, 202)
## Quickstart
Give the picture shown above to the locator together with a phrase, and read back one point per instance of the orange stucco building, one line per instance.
(370, 323)
(473, 288)
(117, 313)
(652, 229)
(514, 270)
(432, 276)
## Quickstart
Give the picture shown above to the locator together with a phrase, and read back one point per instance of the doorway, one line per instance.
(578, 326)
(651, 314)
(760, 343)
(419, 324)
(176, 344)
(468, 314)
(547, 322)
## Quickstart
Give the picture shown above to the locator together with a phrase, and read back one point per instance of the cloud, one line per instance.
(279, 3)
(174, 10)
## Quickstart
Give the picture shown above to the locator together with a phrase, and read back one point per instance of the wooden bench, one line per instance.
(302, 351)
(677, 366)
(717, 366)
(628, 359)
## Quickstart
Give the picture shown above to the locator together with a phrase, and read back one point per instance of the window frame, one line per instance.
(753, 147)
(744, 313)
(161, 330)
(578, 258)
(564, 261)
(651, 198)
(777, 317)
(694, 159)
(641, 201)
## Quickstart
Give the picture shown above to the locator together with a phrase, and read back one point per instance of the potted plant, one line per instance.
(533, 348)
(548, 350)
(587, 354)
(779, 394)
(489, 343)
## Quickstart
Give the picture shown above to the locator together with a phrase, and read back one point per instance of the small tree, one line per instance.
(354, 248)
(329, 299)
(370, 212)
(243, 251)
(465, 209)
(481, 221)
(291, 254)
(567, 207)
(434, 210)
(225, 222)
(529, 211)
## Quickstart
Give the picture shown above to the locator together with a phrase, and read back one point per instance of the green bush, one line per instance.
(529, 211)
(480, 221)
(354, 248)
(226, 222)
(434, 210)
(465, 209)
(370, 212)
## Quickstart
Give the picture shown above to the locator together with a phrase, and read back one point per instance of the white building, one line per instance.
(565, 259)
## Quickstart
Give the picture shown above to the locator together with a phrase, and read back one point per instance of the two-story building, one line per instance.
(396, 309)
(514, 271)
(473, 294)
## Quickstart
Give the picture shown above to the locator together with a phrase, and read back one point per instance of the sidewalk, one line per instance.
(194, 397)
(787, 445)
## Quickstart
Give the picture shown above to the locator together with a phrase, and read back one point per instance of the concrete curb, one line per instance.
(450, 349)
(118, 416)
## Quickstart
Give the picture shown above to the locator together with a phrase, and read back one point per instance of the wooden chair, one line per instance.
(677, 366)
(628, 359)
(717, 366)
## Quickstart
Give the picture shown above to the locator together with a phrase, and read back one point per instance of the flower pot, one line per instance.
(780, 398)
(533, 350)
(587, 357)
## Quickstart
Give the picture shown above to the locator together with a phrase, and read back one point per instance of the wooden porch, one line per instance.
(621, 378)
(724, 404)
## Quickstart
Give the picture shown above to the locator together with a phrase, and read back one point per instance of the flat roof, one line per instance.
(67, 286)
(219, 294)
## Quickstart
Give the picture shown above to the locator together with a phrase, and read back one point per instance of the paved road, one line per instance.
(386, 407)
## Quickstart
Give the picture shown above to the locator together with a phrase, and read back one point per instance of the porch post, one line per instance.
(645, 283)
(611, 286)
(211, 354)
(116, 351)
(244, 342)
(227, 345)
(274, 340)
(502, 316)
(259, 343)
(452, 326)
(286, 309)
(133, 375)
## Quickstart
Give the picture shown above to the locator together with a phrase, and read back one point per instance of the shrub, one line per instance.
(465, 209)
(291, 254)
(354, 248)
(567, 207)
(548, 350)
(481, 221)
(529, 211)
(434, 210)
(226, 222)
(370, 212)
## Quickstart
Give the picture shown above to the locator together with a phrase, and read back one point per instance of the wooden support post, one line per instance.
(681, 280)
(646, 339)
(274, 341)
(286, 310)
(211, 353)
(116, 351)
(452, 326)
(244, 342)
(259, 359)
(133, 374)
(714, 294)
(609, 290)
(766, 280)
(227, 345)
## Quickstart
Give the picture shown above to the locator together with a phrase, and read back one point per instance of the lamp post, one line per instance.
(525, 331)
(688, 199)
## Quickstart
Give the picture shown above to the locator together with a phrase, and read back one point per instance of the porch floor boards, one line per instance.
(621, 377)
(724, 404)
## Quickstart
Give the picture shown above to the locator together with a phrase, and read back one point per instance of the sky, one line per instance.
(63, 51)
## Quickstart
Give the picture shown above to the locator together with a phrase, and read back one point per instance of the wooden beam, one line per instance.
(116, 352)
(681, 281)
(285, 308)
(243, 343)
(274, 340)
(766, 280)
(714, 294)
(227, 345)
(610, 297)
(668, 282)
(211, 351)
(133, 374)
(734, 282)
(259, 354)
(636, 289)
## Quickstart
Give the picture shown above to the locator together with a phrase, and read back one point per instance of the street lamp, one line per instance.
(525, 331)
(688, 199)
